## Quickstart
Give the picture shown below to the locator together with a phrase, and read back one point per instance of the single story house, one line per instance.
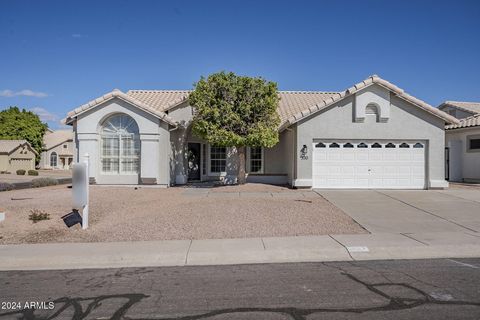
(58, 150)
(462, 152)
(371, 135)
(16, 155)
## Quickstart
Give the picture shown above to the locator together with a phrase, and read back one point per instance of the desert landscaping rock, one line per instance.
(129, 214)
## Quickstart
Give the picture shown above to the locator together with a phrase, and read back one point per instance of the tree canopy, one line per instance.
(232, 110)
(16, 124)
(236, 111)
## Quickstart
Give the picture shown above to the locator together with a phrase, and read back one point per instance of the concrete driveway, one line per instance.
(410, 211)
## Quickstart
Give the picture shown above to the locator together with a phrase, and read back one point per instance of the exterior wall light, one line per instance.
(304, 152)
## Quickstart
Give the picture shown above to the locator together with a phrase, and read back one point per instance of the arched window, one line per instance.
(53, 159)
(120, 146)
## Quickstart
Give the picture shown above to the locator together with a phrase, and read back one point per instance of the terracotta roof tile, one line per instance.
(472, 121)
(293, 105)
(118, 94)
(473, 107)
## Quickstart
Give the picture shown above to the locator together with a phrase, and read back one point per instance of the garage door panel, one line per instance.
(361, 156)
(400, 166)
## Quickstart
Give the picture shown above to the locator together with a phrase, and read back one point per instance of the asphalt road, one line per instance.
(415, 289)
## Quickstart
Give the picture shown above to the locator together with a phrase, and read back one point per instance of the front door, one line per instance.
(193, 158)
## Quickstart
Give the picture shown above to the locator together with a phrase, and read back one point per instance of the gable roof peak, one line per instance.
(123, 96)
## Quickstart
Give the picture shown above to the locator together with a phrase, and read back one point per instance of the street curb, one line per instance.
(220, 252)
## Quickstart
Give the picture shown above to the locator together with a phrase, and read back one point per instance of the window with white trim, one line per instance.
(255, 160)
(218, 159)
(53, 159)
(120, 146)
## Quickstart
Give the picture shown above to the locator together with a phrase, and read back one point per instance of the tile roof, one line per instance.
(472, 121)
(161, 100)
(123, 96)
(7, 146)
(55, 138)
(473, 107)
(291, 102)
(374, 79)
(293, 105)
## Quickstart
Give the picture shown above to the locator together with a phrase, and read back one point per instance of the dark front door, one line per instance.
(193, 161)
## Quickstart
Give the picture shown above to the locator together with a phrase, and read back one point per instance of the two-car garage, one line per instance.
(363, 164)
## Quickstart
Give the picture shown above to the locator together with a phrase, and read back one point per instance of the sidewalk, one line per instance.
(240, 251)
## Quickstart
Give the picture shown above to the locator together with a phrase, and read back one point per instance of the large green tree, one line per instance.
(236, 111)
(22, 124)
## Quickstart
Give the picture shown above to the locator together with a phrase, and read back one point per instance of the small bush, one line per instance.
(4, 172)
(32, 172)
(38, 215)
(21, 172)
(5, 186)
(43, 182)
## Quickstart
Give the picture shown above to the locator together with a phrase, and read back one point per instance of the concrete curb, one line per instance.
(238, 251)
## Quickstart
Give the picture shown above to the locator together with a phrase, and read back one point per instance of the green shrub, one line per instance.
(43, 182)
(38, 215)
(32, 172)
(5, 186)
(4, 172)
(21, 172)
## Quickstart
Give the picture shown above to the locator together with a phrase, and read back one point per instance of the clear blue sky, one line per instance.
(56, 55)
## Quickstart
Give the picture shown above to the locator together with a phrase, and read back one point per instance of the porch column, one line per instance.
(180, 156)
(149, 158)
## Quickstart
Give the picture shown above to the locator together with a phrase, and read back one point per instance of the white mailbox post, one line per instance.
(80, 182)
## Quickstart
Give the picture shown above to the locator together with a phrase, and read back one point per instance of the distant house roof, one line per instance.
(293, 106)
(472, 121)
(472, 107)
(55, 138)
(8, 146)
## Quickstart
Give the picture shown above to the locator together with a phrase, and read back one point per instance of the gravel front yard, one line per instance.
(125, 214)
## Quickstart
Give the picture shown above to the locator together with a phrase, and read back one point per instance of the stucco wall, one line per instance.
(405, 122)
(154, 136)
(60, 150)
(182, 112)
(19, 153)
(464, 163)
(4, 165)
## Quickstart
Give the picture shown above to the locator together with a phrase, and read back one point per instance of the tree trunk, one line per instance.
(241, 165)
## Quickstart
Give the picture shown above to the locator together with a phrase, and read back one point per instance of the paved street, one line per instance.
(404, 289)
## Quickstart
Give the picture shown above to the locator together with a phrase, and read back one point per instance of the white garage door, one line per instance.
(369, 164)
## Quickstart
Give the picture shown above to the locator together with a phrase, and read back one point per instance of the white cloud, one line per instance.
(44, 114)
(25, 92)
(79, 35)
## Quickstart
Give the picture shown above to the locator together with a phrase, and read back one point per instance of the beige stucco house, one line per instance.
(58, 150)
(15, 155)
(371, 135)
(463, 142)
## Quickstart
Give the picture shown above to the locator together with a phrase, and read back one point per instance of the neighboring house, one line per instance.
(463, 150)
(460, 109)
(58, 149)
(372, 135)
(15, 155)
